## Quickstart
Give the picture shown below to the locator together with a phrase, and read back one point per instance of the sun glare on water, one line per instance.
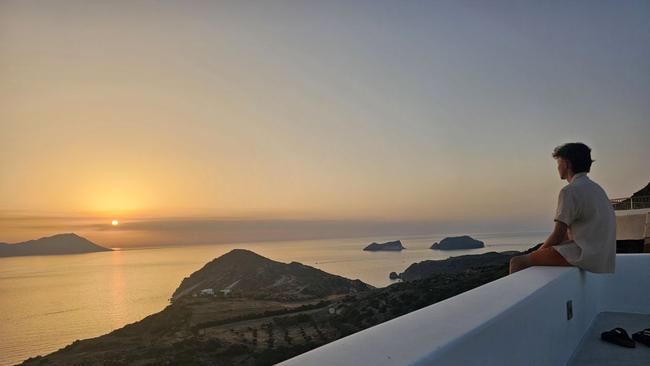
(115, 222)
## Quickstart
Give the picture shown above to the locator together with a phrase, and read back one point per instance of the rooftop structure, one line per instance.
(631, 203)
(225, 291)
(633, 230)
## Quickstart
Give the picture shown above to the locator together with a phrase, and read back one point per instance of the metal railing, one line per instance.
(631, 203)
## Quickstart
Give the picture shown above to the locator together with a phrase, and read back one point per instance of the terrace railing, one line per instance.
(631, 203)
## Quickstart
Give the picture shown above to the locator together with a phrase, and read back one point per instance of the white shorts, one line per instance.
(570, 251)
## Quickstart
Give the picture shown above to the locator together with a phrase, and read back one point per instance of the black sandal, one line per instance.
(618, 336)
(642, 336)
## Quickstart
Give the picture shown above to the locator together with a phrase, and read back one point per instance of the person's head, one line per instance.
(572, 158)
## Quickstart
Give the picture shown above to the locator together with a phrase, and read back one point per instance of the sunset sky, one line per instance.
(197, 121)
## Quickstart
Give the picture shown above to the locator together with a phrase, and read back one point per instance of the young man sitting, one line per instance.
(585, 225)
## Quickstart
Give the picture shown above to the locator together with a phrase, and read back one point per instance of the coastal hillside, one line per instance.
(237, 330)
(459, 264)
(640, 202)
(51, 245)
(243, 273)
(643, 192)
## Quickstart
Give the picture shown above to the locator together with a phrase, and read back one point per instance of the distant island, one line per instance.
(68, 243)
(389, 246)
(458, 242)
(272, 311)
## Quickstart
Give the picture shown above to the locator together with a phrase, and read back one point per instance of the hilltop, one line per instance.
(645, 191)
(626, 203)
(244, 273)
(68, 243)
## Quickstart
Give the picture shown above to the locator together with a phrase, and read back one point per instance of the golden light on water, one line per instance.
(115, 222)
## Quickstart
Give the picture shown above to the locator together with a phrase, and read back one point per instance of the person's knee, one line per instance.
(518, 263)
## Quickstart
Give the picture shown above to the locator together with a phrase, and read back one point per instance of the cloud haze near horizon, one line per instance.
(186, 231)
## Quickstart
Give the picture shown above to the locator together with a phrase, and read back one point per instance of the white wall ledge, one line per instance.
(517, 319)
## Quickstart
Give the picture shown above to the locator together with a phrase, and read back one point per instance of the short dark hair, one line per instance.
(577, 153)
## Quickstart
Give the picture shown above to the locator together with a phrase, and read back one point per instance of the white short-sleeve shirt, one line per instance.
(584, 206)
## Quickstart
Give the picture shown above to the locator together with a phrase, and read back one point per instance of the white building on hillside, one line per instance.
(207, 292)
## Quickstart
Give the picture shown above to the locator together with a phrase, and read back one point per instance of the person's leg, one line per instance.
(541, 257)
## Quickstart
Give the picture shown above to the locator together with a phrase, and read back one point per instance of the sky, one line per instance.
(219, 121)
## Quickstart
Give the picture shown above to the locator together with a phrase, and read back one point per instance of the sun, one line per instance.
(115, 222)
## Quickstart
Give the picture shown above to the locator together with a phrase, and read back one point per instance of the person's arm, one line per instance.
(558, 235)
(565, 214)
(567, 232)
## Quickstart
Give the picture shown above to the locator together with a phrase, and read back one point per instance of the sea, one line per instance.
(47, 302)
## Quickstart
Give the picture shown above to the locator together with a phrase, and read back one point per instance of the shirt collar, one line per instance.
(578, 175)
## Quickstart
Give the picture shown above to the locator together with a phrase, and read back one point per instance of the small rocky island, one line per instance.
(458, 242)
(68, 243)
(395, 245)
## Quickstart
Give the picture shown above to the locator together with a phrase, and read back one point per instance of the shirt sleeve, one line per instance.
(566, 209)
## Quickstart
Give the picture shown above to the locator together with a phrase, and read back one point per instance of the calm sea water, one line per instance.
(47, 302)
